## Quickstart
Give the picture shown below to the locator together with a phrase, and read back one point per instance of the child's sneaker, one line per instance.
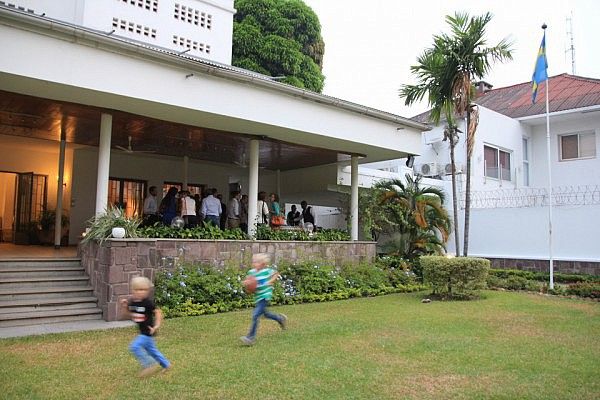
(283, 322)
(166, 369)
(148, 371)
(247, 341)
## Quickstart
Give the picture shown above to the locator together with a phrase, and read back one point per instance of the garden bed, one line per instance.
(112, 263)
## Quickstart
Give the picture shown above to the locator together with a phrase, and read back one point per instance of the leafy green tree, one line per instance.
(280, 38)
(412, 216)
(445, 72)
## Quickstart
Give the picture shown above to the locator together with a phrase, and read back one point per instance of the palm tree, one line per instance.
(419, 220)
(445, 72)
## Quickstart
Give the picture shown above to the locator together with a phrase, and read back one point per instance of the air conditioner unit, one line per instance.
(458, 168)
(428, 169)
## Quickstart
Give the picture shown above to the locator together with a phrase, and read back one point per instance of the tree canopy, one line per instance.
(280, 38)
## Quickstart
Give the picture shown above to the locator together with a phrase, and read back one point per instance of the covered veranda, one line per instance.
(87, 94)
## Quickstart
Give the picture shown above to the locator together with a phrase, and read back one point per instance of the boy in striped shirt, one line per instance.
(265, 277)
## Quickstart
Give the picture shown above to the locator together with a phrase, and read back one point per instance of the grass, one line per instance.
(506, 346)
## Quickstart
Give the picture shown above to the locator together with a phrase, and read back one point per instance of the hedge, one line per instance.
(459, 277)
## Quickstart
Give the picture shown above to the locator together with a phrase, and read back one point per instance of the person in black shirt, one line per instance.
(308, 214)
(148, 317)
(294, 217)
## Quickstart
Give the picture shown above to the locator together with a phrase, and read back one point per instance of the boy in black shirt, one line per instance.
(148, 317)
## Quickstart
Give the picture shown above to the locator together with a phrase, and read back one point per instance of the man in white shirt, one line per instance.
(150, 210)
(233, 211)
(211, 208)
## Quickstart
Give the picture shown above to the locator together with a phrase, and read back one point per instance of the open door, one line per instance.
(23, 201)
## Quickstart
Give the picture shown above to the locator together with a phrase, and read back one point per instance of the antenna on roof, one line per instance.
(570, 38)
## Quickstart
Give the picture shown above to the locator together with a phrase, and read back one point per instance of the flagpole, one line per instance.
(549, 154)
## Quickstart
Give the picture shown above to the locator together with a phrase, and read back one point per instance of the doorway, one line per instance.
(22, 199)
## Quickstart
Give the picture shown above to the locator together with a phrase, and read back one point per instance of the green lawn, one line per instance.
(506, 346)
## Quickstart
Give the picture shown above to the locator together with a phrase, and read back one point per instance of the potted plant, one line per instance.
(45, 225)
(113, 223)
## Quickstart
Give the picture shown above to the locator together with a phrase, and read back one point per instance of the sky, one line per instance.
(370, 45)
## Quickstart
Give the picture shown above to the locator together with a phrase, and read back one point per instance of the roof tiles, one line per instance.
(566, 92)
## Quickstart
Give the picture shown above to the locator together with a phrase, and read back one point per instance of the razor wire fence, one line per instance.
(534, 197)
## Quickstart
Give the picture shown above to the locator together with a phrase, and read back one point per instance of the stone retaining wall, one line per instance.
(566, 267)
(112, 264)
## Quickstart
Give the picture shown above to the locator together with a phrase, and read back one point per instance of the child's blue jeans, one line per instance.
(144, 349)
(261, 309)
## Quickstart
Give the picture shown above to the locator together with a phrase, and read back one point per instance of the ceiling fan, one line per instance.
(242, 162)
(130, 150)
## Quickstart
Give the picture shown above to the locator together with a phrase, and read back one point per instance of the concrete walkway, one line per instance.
(76, 326)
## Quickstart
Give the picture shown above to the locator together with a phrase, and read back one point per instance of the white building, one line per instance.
(94, 110)
(509, 175)
(197, 27)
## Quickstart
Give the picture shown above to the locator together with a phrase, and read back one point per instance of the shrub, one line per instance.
(365, 276)
(398, 271)
(100, 226)
(205, 231)
(544, 276)
(585, 289)
(312, 277)
(458, 277)
(264, 232)
(195, 289)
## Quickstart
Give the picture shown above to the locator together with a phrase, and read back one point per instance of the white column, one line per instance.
(186, 161)
(59, 190)
(354, 198)
(253, 187)
(103, 163)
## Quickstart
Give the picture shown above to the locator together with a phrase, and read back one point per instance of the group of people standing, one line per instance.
(210, 209)
(269, 212)
(195, 209)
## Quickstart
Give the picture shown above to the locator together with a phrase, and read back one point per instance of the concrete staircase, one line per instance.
(43, 291)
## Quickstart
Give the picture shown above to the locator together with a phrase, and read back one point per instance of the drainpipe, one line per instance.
(253, 187)
(103, 163)
(354, 198)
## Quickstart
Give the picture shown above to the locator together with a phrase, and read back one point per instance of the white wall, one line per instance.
(64, 10)
(157, 28)
(523, 233)
(495, 130)
(565, 173)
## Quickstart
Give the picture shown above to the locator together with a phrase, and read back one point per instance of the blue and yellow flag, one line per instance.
(540, 73)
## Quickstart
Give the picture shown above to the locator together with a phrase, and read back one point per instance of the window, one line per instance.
(21, 8)
(127, 194)
(497, 163)
(150, 5)
(577, 146)
(133, 28)
(525, 162)
(193, 188)
(191, 44)
(192, 16)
